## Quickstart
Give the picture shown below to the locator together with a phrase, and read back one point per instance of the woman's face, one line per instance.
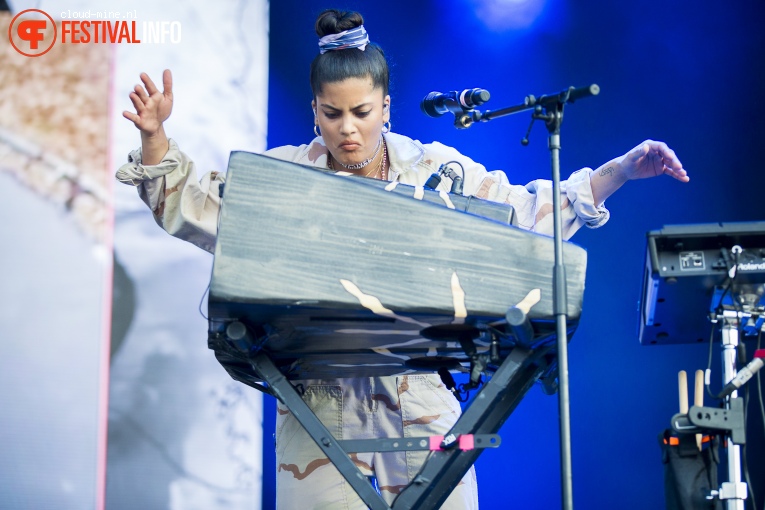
(351, 114)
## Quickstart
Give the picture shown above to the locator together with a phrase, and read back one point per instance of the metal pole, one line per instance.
(729, 345)
(560, 308)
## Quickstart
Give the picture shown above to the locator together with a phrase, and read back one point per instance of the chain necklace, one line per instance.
(380, 166)
(359, 166)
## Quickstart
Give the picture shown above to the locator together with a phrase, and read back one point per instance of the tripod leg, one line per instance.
(492, 406)
(283, 390)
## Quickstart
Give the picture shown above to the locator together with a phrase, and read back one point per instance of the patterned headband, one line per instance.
(354, 38)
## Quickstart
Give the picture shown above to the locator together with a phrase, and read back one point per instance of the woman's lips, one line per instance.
(349, 146)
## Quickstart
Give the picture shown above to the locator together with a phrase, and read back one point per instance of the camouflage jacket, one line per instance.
(188, 209)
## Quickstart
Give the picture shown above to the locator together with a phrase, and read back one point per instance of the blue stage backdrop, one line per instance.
(682, 72)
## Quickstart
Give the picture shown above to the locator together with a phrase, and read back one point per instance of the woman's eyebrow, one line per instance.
(362, 105)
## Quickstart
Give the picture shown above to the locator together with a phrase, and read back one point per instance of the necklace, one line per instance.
(381, 166)
(359, 166)
(383, 171)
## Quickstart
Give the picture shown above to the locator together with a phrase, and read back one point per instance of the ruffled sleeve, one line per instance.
(533, 202)
(184, 207)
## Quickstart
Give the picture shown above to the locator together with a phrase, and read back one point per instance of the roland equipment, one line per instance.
(717, 270)
(688, 268)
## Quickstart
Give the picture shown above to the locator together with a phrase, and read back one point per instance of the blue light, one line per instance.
(501, 15)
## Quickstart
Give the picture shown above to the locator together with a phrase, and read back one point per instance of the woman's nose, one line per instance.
(348, 126)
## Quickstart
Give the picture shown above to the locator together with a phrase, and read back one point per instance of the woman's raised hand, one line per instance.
(651, 159)
(152, 107)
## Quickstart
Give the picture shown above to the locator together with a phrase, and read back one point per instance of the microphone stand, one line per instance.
(550, 110)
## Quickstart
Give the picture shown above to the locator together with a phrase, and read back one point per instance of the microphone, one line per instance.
(744, 374)
(436, 104)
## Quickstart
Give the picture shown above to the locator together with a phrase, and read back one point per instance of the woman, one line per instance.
(351, 107)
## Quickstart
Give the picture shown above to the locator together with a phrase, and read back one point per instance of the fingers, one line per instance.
(141, 93)
(639, 151)
(150, 87)
(651, 159)
(135, 119)
(167, 83)
(668, 156)
(137, 102)
(148, 102)
(679, 174)
(671, 163)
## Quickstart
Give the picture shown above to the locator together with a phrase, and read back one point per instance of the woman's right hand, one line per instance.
(152, 109)
(152, 106)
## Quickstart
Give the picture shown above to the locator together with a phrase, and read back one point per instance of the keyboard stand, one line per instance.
(475, 429)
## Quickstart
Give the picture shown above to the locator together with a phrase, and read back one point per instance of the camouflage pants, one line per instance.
(364, 408)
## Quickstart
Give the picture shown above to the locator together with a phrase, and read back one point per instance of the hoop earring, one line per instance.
(386, 129)
(316, 130)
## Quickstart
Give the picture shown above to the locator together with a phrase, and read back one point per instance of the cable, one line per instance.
(728, 268)
(460, 164)
(759, 386)
(202, 300)
(744, 462)
(707, 378)
(762, 407)
(458, 181)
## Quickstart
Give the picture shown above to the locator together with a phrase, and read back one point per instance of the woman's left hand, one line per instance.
(650, 159)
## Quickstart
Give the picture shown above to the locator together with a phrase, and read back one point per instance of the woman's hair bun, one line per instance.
(344, 57)
(333, 21)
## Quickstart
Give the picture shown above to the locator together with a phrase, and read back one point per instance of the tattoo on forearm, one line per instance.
(607, 171)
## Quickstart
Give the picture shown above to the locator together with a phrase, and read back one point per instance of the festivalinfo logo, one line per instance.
(33, 32)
